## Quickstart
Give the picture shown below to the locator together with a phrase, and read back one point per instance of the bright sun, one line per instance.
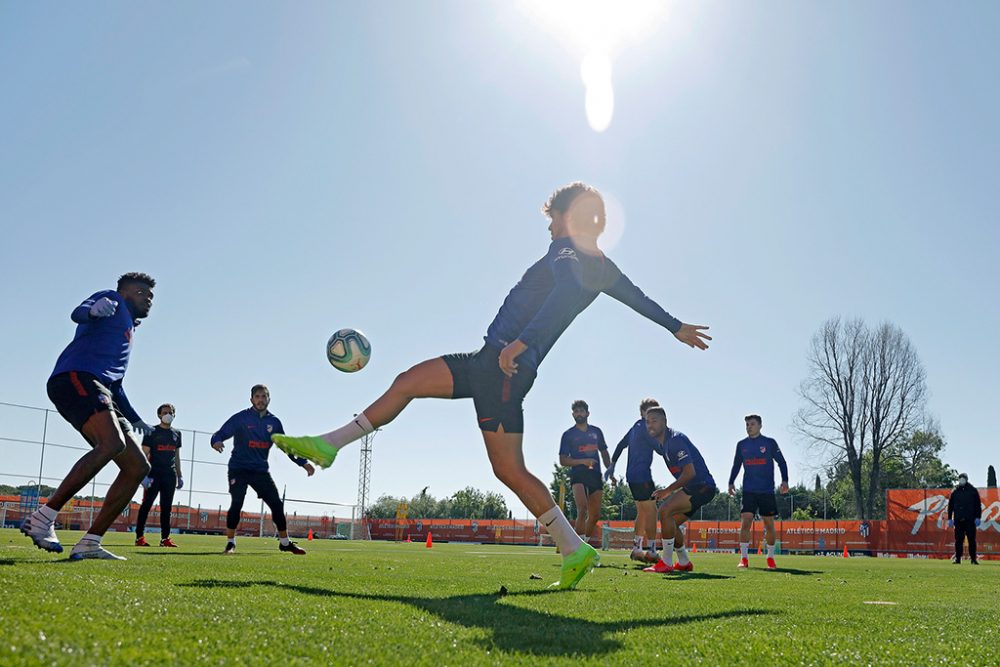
(594, 32)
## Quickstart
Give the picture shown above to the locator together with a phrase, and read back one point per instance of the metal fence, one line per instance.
(38, 447)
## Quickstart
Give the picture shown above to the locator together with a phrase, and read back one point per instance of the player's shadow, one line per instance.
(172, 553)
(682, 576)
(7, 561)
(512, 628)
(797, 573)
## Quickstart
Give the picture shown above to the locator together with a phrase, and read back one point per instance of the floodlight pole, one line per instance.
(365, 472)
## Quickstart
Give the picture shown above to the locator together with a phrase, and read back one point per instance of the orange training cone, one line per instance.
(310, 535)
(430, 540)
(408, 540)
(694, 548)
(760, 549)
(846, 555)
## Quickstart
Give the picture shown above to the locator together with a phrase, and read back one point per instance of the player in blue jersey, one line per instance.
(86, 388)
(583, 447)
(552, 292)
(160, 448)
(757, 454)
(639, 476)
(692, 488)
(251, 431)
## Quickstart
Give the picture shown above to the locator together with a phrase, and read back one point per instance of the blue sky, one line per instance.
(288, 170)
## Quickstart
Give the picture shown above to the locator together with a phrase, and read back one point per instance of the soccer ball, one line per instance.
(348, 350)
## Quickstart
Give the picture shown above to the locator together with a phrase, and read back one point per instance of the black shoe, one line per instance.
(293, 548)
(975, 562)
(230, 549)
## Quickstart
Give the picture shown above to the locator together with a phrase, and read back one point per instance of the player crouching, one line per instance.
(693, 488)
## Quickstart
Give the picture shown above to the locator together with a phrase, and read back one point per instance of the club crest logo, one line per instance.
(269, 428)
(763, 450)
(103, 400)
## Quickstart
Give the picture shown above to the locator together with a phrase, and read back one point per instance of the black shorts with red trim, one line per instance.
(498, 399)
(700, 496)
(78, 396)
(642, 491)
(763, 504)
(589, 477)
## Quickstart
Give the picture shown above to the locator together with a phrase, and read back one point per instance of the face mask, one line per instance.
(962, 481)
(167, 418)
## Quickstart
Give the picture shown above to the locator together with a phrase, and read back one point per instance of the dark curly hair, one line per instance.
(580, 403)
(136, 277)
(564, 196)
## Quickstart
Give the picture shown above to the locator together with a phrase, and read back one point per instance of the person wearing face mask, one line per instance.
(965, 510)
(160, 448)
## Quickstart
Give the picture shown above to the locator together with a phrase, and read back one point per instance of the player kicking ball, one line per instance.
(552, 292)
(693, 488)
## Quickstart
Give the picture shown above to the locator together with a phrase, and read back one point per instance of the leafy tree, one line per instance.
(991, 478)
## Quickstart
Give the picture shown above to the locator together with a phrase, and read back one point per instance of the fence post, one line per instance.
(41, 458)
(260, 532)
(190, 480)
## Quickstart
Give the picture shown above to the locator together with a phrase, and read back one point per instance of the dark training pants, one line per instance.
(263, 484)
(163, 484)
(965, 528)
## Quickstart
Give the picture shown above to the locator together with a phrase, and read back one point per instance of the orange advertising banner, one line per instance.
(918, 522)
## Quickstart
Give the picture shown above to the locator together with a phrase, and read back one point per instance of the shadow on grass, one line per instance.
(797, 573)
(681, 576)
(511, 628)
(173, 553)
(7, 561)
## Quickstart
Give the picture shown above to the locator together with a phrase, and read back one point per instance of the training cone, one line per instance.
(760, 549)
(408, 540)
(310, 535)
(694, 548)
(430, 540)
(846, 554)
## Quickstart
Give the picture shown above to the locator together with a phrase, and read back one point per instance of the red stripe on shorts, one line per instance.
(76, 383)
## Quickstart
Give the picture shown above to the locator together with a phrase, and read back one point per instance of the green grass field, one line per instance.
(354, 603)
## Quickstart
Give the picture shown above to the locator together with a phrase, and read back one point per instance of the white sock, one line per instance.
(561, 531)
(652, 546)
(230, 540)
(668, 551)
(682, 555)
(284, 541)
(640, 542)
(92, 539)
(47, 513)
(349, 432)
(744, 549)
(770, 551)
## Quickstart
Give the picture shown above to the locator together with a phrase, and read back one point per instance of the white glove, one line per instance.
(103, 307)
(146, 482)
(142, 427)
(609, 472)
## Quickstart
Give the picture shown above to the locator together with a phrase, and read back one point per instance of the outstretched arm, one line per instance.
(625, 291)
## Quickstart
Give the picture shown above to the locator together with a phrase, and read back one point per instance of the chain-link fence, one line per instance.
(38, 448)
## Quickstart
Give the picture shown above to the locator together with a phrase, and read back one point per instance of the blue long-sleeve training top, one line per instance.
(757, 457)
(557, 288)
(101, 347)
(251, 436)
(641, 447)
(678, 451)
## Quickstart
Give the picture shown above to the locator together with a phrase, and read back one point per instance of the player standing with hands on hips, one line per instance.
(553, 291)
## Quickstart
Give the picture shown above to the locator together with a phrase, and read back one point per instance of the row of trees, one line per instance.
(469, 503)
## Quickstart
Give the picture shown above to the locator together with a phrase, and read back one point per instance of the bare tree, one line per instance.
(864, 394)
(896, 392)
